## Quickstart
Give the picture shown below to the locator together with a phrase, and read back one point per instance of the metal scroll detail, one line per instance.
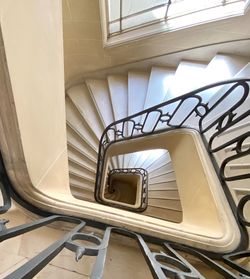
(168, 262)
(213, 111)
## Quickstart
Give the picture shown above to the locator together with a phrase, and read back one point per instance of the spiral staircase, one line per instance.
(95, 103)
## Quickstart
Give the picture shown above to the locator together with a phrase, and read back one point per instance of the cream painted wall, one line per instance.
(83, 49)
(32, 34)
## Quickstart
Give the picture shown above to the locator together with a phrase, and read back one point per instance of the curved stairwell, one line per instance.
(94, 104)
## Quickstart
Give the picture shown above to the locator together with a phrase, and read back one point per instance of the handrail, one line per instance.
(211, 110)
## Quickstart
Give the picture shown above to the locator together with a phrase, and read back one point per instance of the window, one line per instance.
(126, 20)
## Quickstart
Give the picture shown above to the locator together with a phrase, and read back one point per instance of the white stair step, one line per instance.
(76, 140)
(172, 194)
(168, 204)
(75, 118)
(81, 183)
(82, 194)
(118, 88)
(82, 176)
(162, 178)
(85, 157)
(101, 97)
(186, 78)
(133, 159)
(81, 98)
(165, 169)
(137, 90)
(80, 187)
(160, 80)
(166, 186)
(80, 159)
(81, 170)
(163, 160)
(80, 133)
(222, 67)
(80, 165)
(153, 157)
(165, 214)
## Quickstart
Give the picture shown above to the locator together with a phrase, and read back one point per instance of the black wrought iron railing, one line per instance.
(143, 181)
(228, 107)
(212, 110)
(167, 264)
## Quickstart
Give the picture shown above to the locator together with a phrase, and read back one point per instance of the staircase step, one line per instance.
(223, 67)
(137, 90)
(101, 97)
(75, 119)
(81, 182)
(82, 135)
(165, 214)
(186, 78)
(80, 175)
(169, 185)
(81, 98)
(164, 169)
(163, 194)
(86, 172)
(82, 194)
(162, 178)
(118, 88)
(75, 140)
(78, 158)
(161, 161)
(80, 153)
(167, 204)
(160, 80)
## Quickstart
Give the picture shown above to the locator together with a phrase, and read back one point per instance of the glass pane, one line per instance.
(130, 7)
(113, 9)
(143, 18)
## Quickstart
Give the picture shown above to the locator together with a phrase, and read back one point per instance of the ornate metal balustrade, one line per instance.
(213, 111)
(212, 118)
(142, 174)
(167, 264)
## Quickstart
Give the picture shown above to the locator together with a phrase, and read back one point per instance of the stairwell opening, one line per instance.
(145, 181)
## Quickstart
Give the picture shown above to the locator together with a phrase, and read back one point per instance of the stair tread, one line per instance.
(101, 97)
(173, 194)
(118, 88)
(74, 149)
(170, 185)
(81, 98)
(223, 67)
(82, 135)
(137, 90)
(81, 170)
(80, 183)
(75, 119)
(186, 78)
(77, 159)
(160, 80)
(75, 140)
(165, 214)
(168, 204)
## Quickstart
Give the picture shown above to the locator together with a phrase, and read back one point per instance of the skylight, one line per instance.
(129, 19)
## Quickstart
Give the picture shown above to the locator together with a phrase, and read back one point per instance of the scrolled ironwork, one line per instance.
(211, 110)
(167, 262)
